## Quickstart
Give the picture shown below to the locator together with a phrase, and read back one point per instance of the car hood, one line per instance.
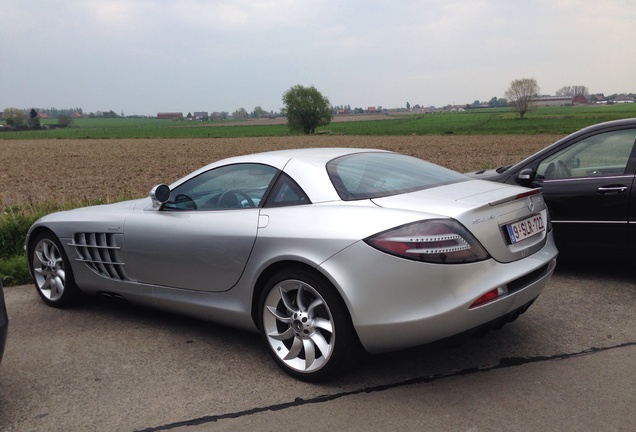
(105, 217)
(118, 206)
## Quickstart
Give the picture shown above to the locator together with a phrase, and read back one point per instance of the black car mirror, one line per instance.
(525, 176)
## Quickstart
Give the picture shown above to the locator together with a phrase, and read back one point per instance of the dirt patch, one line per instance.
(71, 170)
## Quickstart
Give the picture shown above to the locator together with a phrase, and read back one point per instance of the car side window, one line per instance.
(235, 186)
(286, 192)
(604, 154)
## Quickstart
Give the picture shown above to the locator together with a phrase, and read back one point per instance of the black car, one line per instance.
(4, 321)
(588, 184)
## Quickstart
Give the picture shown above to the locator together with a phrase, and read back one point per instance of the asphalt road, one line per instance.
(569, 363)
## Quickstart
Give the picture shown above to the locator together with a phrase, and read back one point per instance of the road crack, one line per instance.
(503, 364)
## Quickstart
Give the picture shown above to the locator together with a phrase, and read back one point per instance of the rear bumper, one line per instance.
(398, 304)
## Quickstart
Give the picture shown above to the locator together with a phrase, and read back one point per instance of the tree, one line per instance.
(497, 102)
(306, 109)
(572, 91)
(259, 112)
(14, 117)
(64, 120)
(34, 120)
(240, 114)
(519, 94)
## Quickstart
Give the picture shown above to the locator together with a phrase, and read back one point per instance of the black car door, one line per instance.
(588, 186)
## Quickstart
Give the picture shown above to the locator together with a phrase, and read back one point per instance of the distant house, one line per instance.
(598, 98)
(580, 99)
(170, 115)
(217, 115)
(372, 110)
(623, 98)
(200, 115)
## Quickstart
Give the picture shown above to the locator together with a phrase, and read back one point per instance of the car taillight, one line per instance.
(443, 241)
(491, 295)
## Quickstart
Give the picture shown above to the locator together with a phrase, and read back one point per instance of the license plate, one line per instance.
(526, 228)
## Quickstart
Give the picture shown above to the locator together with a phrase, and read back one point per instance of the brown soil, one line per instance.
(78, 170)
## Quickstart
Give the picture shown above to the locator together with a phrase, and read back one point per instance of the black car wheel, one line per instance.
(307, 326)
(52, 272)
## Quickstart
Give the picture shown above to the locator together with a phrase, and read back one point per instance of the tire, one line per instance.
(306, 326)
(52, 273)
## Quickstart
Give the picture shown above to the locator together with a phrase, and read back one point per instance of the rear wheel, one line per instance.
(52, 272)
(307, 326)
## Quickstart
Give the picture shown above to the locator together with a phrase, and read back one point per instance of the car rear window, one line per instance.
(379, 174)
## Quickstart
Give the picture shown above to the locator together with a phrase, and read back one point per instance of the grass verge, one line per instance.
(14, 224)
(14, 271)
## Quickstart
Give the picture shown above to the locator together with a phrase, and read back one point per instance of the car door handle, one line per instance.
(612, 189)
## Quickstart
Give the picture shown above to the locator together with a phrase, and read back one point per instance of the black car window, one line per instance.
(379, 174)
(235, 186)
(604, 154)
(286, 192)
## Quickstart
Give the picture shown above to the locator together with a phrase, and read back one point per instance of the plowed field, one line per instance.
(78, 170)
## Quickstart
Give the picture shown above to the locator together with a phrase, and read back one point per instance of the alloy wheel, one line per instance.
(299, 326)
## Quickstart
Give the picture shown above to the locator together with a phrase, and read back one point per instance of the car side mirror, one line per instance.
(525, 176)
(159, 194)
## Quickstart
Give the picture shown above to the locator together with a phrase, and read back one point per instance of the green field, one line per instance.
(560, 120)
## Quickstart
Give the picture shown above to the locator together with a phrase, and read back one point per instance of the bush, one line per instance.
(14, 224)
(64, 120)
(14, 271)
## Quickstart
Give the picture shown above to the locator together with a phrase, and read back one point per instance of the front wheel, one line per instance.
(52, 272)
(307, 326)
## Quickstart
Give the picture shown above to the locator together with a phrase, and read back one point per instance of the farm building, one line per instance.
(623, 98)
(551, 101)
(170, 115)
(200, 115)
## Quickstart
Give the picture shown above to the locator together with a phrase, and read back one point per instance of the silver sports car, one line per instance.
(322, 251)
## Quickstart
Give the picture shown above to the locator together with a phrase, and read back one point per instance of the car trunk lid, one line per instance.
(511, 222)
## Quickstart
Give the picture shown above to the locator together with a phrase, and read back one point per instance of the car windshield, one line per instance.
(378, 174)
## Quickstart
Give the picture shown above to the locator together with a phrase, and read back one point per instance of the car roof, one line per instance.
(609, 125)
(629, 122)
(310, 155)
(306, 166)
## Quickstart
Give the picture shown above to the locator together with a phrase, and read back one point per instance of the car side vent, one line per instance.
(100, 252)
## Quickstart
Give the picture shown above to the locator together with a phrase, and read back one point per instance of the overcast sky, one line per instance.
(148, 56)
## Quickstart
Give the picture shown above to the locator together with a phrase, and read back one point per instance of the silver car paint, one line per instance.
(209, 248)
(394, 302)
(477, 205)
(404, 303)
